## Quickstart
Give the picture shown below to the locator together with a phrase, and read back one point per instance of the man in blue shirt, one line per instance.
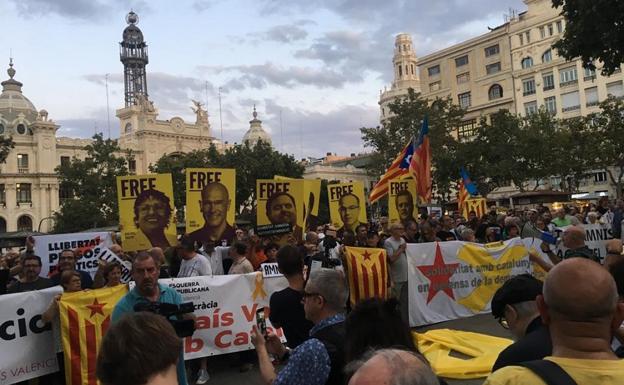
(320, 359)
(145, 272)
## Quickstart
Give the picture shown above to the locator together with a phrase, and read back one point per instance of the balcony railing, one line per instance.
(571, 108)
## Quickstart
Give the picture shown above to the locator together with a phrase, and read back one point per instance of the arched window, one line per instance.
(527, 62)
(547, 56)
(2, 225)
(495, 92)
(21, 129)
(24, 223)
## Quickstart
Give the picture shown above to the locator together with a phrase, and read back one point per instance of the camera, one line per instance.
(182, 327)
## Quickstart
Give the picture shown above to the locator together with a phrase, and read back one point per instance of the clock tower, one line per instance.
(133, 55)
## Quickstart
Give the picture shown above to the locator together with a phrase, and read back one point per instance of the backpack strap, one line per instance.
(549, 372)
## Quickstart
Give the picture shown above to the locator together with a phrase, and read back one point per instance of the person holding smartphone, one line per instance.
(395, 250)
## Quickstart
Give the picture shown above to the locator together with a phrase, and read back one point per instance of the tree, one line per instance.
(6, 145)
(608, 128)
(594, 32)
(93, 183)
(405, 123)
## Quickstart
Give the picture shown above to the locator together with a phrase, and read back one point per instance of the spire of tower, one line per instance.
(133, 55)
(405, 63)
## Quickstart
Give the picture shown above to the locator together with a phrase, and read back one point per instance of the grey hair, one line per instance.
(466, 232)
(330, 284)
(402, 371)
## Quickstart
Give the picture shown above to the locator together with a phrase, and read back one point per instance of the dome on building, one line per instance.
(255, 132)
(13, 102)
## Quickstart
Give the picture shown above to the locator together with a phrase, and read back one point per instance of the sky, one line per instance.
(313, 68)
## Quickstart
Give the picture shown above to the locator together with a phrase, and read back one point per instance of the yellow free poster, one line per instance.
(210, 204)
(347, 205)
(280, 202)
(146, 211)
(401, 200)
(311, 196)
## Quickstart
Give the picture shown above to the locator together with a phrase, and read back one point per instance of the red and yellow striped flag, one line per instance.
(462, 196)
(367, 270)
(85, 317)
(478, 205)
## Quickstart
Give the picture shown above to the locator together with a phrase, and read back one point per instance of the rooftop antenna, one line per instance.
(220, 118)
(107, 106)
(206, 97)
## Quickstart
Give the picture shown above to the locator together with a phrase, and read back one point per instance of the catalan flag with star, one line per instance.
(455, 279)
(367, 271)
(85, 317)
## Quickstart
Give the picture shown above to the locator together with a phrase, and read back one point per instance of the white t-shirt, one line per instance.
(216, 259)
(196, 266)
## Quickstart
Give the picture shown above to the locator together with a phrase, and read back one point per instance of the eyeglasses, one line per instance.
(306, 295)
(503, 322)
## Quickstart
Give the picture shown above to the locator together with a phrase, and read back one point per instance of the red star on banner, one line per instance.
(366, 255)
(439, 275)
(96, 308)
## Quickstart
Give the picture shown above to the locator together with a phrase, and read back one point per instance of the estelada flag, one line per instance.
(367, 271)
(85, 317)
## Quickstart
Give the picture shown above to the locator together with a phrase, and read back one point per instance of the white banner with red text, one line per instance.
(86, 245)
(27, 348)
(455, 279)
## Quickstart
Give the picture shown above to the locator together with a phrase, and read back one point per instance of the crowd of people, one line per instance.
(330, 342)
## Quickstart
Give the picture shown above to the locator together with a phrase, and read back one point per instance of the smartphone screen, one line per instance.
(261, 321)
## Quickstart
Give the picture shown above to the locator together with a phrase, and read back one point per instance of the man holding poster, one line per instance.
(150, 197)
(401, 201)
(212, 189)
(347, 206)
(280, 209)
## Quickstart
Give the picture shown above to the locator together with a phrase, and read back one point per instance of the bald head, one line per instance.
(392, 366)
(580, 290)
(574, 237)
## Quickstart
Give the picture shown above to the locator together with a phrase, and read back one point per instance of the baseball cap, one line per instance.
(518, 289)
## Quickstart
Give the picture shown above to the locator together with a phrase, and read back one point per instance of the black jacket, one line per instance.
(535, 345)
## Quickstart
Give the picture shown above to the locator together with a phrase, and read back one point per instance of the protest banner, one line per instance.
(401, 198)
(109, 257)
(86, 245)
(28, 344)
(211, 204)
(347, 205)
(478, 205)
(367, 273)
(280, 203)
(455, 279)
(85, 317)
(311, 199)
(146, 211)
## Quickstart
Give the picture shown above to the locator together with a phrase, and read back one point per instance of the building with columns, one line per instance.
(29, 186)
(512, 67)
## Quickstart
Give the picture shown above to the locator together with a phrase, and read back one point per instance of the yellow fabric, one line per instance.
(584, 372)
(481, 349)
(85, 317)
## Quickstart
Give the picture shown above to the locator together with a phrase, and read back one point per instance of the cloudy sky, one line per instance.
(320, 64)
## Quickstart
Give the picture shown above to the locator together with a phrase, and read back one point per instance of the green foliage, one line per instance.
(6, 145)
(251, 162)
(94, 186)
(608, 128)
(405, 122)
(594, 32)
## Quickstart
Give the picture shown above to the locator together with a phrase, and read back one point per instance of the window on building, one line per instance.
(550, 103)
(527, 36)
(547, 56)
(65, 193)
(528, 86)
(615, 89)
(521, 37)
(23, 192)
(551, 30)
(549, 81)
(2, 194)
(568, 76)
(559, 26)
(570, 101)
(530, 108)
(461, 61)
(467, 128)
(65, 160)
(132, 165)
(432, 71)
(495, 92)
(527, 62)
(21, 129)
(463, 78)
(600, 177)
(492, 50)
(434, 86)
(542, 32)
(1, 129)
(3, 225)
(464, 100)
(591, 96)
(22, 163)
(589, 74)
(24, 223)
(493, 68)
(412, 67)
(128, 127)
(400, 70)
